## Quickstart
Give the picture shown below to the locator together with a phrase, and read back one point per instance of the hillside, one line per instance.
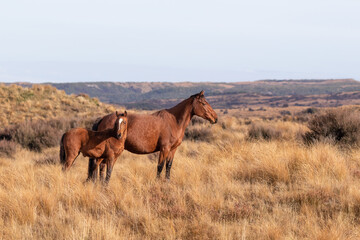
(40, 102)
(155, 95)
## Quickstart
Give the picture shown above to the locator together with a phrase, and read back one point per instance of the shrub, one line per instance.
(36, 135)
(285, 112)
(198, 131)
(198, 134)
(260, 131)
(8, 148)
(41, 134)
(341, 126)
(311, 110)
(305, 115)
(197, 121)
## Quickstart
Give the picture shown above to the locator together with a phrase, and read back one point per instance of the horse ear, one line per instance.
(125, 113)
(117, 114)
(201, 94)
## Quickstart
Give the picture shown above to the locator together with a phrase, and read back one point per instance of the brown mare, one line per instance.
(161, 131)
(104, 145)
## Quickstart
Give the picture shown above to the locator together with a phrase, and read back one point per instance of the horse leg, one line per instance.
(109, 163)
(102, 170)
(92, 170)
(169, 161)
(164, 152)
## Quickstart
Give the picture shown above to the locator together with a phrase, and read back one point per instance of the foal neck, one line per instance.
(105, 134)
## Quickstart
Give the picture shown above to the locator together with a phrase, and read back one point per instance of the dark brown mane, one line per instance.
(195, 95)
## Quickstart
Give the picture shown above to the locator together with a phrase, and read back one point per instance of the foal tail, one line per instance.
(62, 150)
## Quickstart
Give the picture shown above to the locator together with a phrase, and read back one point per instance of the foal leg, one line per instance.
(70, 159)
(169, 161)
(164, 152)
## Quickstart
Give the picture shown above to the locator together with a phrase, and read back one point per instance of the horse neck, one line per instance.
(103, 135)
(183, 112)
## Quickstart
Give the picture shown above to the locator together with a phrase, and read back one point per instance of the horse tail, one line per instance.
(62, 150)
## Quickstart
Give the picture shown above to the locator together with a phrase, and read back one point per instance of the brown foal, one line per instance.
(161, 131)
(104, 145)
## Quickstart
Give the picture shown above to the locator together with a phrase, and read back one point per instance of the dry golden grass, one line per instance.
(225, 188)
(44, 102)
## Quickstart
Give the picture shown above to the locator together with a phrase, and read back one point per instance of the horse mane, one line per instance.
(96, 124)
(193, 96)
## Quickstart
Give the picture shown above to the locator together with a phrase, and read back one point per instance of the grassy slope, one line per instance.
(44, 102)
(227, 188)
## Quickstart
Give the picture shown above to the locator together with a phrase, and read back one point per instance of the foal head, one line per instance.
(121, 125)
(203, 109)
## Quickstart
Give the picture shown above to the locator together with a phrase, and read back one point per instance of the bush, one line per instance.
(41, 134)
(199, 134)
(8, 148)
(341, 126)
(36, 135)
(198, 130)
(260, 131)
(197, 121)
(285, 112)
(310, 110)
(306, 114)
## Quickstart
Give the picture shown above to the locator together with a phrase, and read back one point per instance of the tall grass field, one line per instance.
(243, 178)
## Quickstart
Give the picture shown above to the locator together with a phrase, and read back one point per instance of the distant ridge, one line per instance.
(307, 80)
(155, 95)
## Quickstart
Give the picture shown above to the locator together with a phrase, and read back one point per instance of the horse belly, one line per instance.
(140, 145)
(143, 134)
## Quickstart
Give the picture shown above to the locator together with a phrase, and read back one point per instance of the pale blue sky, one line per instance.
(204, 40)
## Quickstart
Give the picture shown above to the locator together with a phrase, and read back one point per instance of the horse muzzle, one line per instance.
(214, 121)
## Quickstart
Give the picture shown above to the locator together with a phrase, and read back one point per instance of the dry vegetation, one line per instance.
(40, 102)
(239, 179)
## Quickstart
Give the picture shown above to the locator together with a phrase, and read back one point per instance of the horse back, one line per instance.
(146, 133)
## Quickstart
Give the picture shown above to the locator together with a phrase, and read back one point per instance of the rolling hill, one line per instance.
(155, 95)
(43, 102)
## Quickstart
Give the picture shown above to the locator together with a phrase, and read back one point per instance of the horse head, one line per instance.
(120, 124)
(203, 109)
